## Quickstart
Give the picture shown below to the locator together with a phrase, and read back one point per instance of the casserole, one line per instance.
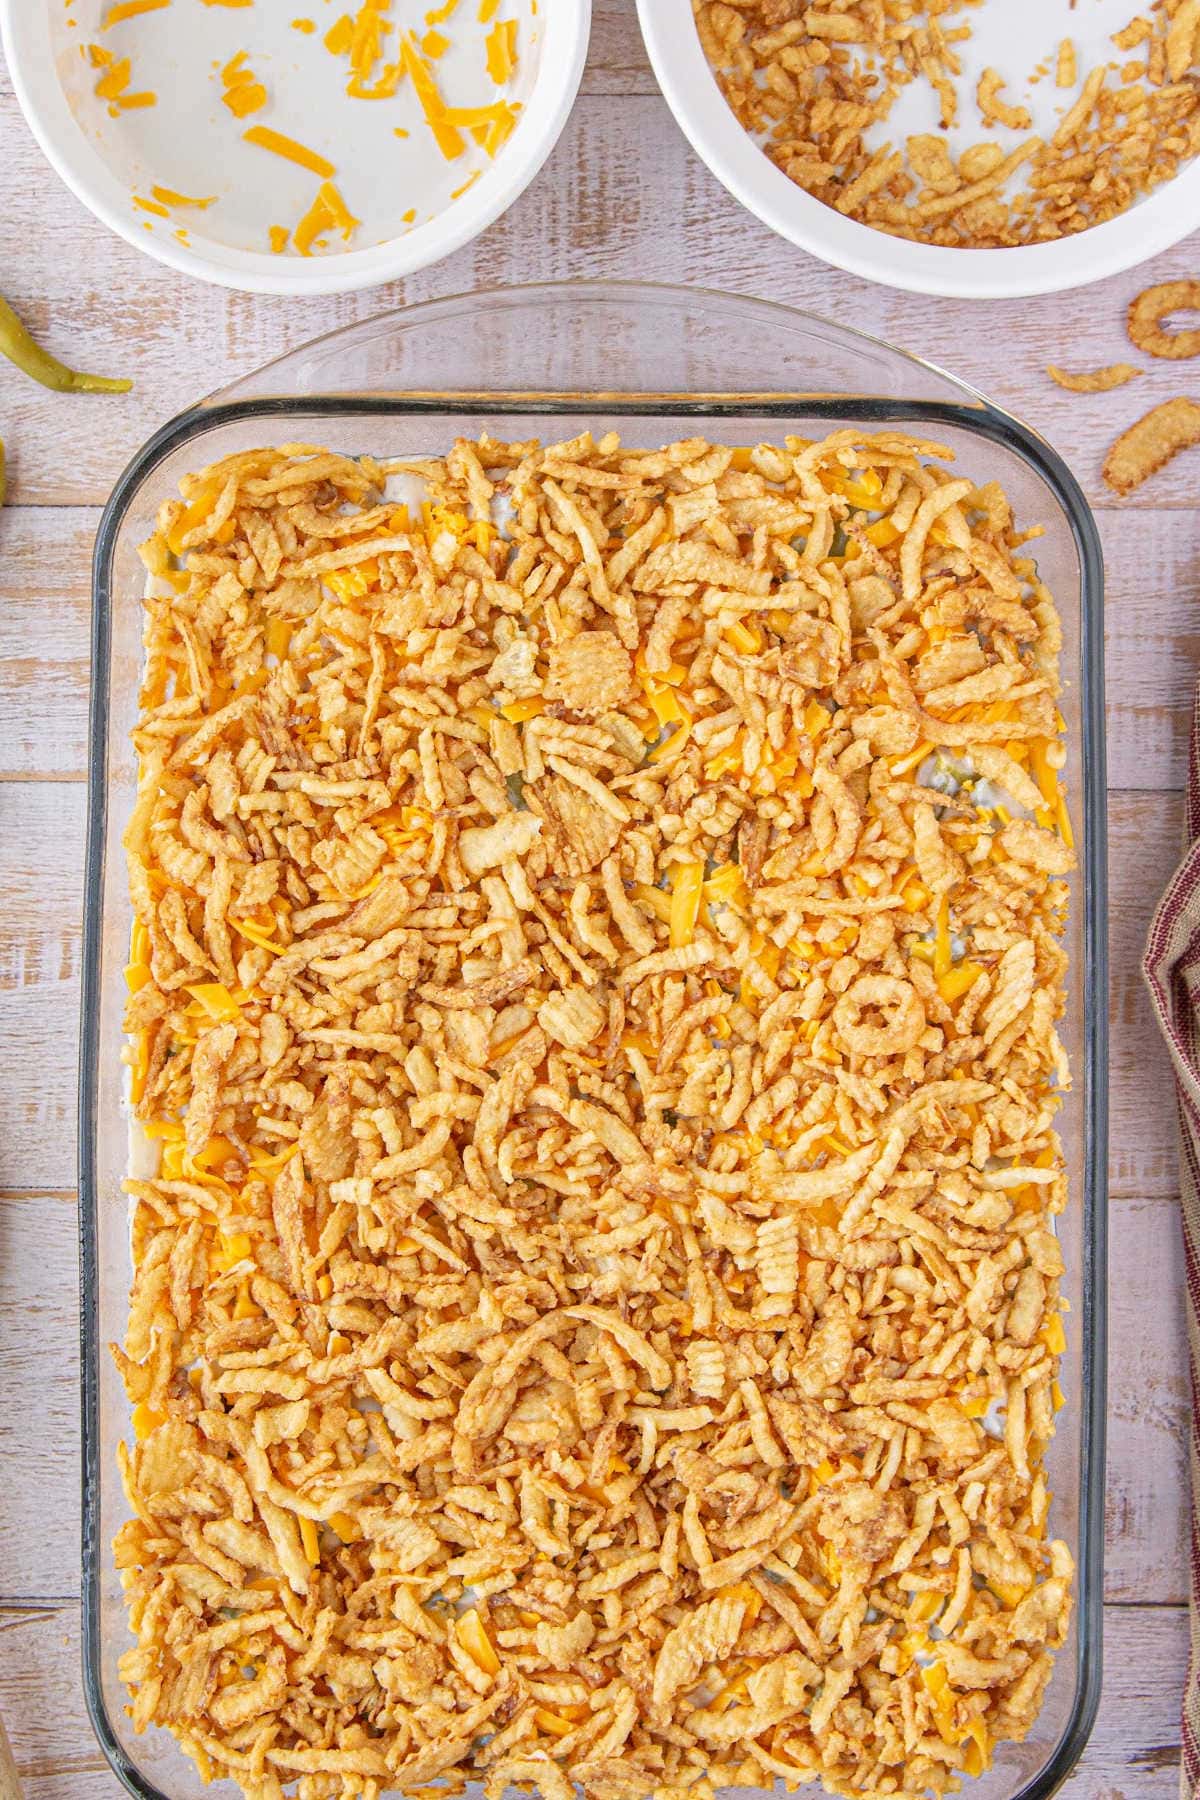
(370, 390)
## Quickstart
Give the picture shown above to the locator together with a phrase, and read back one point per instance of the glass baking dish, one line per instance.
(655, 363)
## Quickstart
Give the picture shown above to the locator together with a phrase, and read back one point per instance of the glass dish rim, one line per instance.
(972, 412)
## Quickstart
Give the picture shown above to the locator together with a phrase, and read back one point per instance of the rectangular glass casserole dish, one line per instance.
(655, 364)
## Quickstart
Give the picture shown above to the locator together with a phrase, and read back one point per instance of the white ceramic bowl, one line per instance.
(190, 143)
(1013, 34)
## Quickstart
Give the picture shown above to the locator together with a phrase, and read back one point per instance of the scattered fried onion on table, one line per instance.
(1093, 381)
(1147, 312)
(1151, 442)
(595, 1317)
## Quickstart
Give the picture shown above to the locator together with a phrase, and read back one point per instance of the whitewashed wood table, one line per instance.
(622, 196)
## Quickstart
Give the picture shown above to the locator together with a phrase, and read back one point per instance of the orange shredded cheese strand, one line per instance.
(743, 637)
(287, 147)
(214, 998)
(328, 212)
(279, 235)
(488, 10)
(114, 79)
(942, 954)
(447, 137)
(150, 206)
(517, 711)
(1053, 1336)
(244, 93)
(956, 982)
(501, 47)
(246, 98)
(687, 887)
(340, 36)
(169, 197)
(435, 44)
(552, 1722)
(129, 9)
(470, 1632)
(146, 1420)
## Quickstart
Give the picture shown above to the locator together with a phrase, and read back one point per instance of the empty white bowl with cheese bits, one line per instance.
(310, 147)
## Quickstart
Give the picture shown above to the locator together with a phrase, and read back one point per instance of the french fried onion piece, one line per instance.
(1155, 304)
(1150, 443)
(1093, 381)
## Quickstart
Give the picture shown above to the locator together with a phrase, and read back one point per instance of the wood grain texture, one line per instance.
(39, 1520)
(41, 828)
(41, 859)
(621, 197)
(1133, 1754)
(1152, 629)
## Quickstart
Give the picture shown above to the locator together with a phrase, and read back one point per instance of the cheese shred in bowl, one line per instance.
(595, 1313)
(459, 94)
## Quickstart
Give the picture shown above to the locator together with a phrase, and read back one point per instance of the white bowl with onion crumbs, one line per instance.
(968, 148)
(313, 147)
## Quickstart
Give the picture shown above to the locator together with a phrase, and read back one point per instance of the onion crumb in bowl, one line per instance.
(814, 87)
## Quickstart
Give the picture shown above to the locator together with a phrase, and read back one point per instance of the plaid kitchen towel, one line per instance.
(1172, 970)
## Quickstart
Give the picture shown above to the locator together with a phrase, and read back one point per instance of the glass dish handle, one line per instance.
(586, 339)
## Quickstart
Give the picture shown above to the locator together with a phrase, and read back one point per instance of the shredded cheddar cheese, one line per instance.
(942, 953)
(687, 888)
(328, 212)
(287, 147)
(129, 9)
(113, 83)
(470, 1632)
(954, 983)
(244, 93)
(501, 47)
(448, 138)
(168, 197)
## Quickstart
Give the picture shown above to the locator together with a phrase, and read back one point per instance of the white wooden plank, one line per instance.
(1146, 1501)
(39, 1397)
(1143, 850)
(41, 863)
(45, 609)
(1152, 617)
(40, 849)
(622, 195)
(1134, 1750)
(1146, 1494)
(41, 858)
(617, 63)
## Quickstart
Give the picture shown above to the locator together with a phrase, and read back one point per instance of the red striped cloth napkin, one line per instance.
(1172, 969)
